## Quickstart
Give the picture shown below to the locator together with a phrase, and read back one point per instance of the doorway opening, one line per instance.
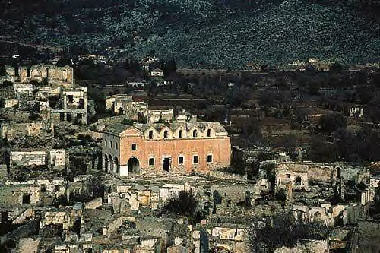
(133, 165)
(26, 199)
(166, 164)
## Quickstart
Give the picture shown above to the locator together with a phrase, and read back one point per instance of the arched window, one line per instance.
(165, 134)
(180, 134)
(298, 180)
(208, 132)
(151, 134)
(195, 133)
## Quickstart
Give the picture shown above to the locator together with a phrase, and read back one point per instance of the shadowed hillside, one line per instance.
(206, 33)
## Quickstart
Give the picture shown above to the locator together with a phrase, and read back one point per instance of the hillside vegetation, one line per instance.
(200, 33)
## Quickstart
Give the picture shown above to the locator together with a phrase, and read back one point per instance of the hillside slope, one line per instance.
(206, 33)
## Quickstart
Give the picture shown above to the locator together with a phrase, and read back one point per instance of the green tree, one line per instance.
(169, 67)
(365, 94)
(313, 87)
(375, 208)
(336, 67)
(332, 122)
(322, 151)
(2, 70)
(64, 62)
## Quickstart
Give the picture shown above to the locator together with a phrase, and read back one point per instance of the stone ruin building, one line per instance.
(54, 158)
(73, 107)
(54, 75)
(122, 104)
(49, 88)
(11, 130)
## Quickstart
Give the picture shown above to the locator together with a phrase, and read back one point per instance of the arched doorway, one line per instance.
(116, 165)
(133, 165)
(116, 168)
(110, 163)
(105, 163)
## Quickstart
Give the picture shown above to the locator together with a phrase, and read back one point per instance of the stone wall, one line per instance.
(160, 115)
(54, 158)
(298, 180)
(134, 197)
(224, 237)
(57, 158)
(11, 131)
(23, 88)
(28, 158)
(56, 217)
(74, 107)
(17, 195)
(316, 246)
(324, 172)
(11, 102)
(52, 73)
(328, 214)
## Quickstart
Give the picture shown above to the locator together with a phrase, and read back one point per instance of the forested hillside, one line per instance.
(206, 33)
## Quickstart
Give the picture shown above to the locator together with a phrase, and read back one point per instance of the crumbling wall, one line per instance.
(12, 131)
(53, 74)
(17, 195)
(222, 236)
(28, 158)
(160, 115)
(54, 158)
(29, 245)
(316, 246)
(57, 157)
(298, 180)
(11, 102)
(73, 106)
(56, 218)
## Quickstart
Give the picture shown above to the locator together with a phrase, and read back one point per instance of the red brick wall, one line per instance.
(220, 148)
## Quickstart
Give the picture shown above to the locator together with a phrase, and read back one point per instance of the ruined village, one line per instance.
(186, 160)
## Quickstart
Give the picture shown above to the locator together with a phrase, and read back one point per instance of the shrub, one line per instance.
(281, 195)
(128, 122)
(332, 122)
(184, 205)
(7, 84)
(282, 230)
